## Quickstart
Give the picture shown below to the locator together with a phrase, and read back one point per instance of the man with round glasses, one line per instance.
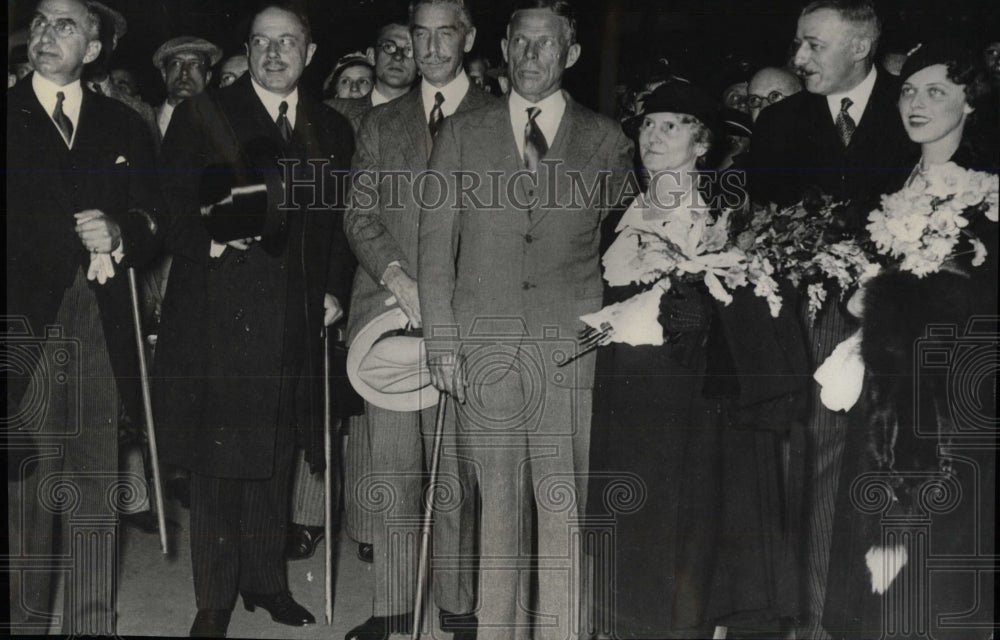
(771, 85)
(185, 63)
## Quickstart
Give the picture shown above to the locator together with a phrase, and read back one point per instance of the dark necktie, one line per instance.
(437, 116)
(284, 126)
(535, 146)
(61, 119)
(845, 123)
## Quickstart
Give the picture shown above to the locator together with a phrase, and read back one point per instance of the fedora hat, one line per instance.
(388, 367)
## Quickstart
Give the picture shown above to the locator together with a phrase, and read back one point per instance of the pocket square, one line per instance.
(121, 160)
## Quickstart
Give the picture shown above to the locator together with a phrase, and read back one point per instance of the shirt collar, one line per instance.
(859, 96)
(45, 91)
(377, 98)
(453, 93)
(552, 109)
(272, 101)
(163, 118)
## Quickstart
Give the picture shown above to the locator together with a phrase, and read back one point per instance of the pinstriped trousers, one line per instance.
(238, 532)
(825, 435)
(67, 509)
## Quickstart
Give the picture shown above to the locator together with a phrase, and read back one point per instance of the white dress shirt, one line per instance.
(859, 96)
(453, 93)
(163, 118)
(377, 98)
(550, 115)
(272, 102)
(45, 91)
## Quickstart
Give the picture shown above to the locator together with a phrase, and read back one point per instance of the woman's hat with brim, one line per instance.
(388, 367)
(681, 97)
(935, 52)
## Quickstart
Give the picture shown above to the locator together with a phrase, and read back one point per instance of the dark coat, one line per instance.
(239, 351)
(110, 168)
(795, 145)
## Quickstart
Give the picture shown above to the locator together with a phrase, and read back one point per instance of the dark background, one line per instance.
(617, 36)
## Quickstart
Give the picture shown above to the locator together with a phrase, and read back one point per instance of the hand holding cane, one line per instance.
(147, 406)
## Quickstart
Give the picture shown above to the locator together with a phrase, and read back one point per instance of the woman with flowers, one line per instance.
(925, 444)
(692, 490)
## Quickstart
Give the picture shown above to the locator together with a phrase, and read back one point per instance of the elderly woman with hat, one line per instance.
(926, 419)
(691, 496)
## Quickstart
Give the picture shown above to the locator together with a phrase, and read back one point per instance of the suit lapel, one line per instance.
(413, 127)
(38, 120)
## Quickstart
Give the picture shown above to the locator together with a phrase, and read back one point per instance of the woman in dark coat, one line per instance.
(685, 466)
(914, 529)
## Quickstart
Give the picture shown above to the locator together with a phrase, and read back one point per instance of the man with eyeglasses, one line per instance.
(382, 230)
(81, 209)
(395, 71)
(253, 172)
(185, 63)
(771, 85)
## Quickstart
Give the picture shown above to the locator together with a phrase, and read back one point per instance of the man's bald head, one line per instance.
(770, 85)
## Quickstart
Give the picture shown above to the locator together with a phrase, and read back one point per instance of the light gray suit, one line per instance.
(395, 137)
(512, 274)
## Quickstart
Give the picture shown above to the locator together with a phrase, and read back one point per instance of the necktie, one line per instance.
(61, 119)
(845, 123)
(535, 146)
(284, 126)
(437, 116)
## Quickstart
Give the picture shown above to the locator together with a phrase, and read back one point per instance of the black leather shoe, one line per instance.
(461, 625)
(379, 627)
(302, 541)
(211, 623)
(366, 552)
(281, 607)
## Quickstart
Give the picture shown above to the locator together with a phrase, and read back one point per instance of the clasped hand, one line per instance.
(448, 374)
(97, 232)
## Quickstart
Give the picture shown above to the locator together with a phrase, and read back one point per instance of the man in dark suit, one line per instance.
(394, 74)
(844, 136)
(511, 262)
(381, 226)
(256, 262)
(81, 209)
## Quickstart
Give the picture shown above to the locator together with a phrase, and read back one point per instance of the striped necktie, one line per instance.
(535, 146)
(61, 119)
(437, 116)
(284, 126)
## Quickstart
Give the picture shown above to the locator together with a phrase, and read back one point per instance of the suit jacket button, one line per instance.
(525, 285)
(529, 238)
(239, 314)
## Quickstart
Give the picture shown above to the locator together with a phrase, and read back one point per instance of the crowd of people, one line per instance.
(593, 481)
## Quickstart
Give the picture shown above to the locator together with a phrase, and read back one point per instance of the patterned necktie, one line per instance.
(437, 116)
(284, 126)
(845, 123)
(61, 119)
(535, 146)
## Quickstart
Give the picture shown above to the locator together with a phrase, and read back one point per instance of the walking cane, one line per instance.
(147, 406)
(425, 534)
(327, 477)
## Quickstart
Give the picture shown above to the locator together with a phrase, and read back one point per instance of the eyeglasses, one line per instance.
(176, 64)
(284, 44)
(756, 102)
(64, 27)
(390, 48)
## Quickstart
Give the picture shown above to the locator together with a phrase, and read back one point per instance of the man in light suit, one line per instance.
(381, 226)
(506, 268)
(844, 136)
(256, 274)
(395, 70)
(81, 209)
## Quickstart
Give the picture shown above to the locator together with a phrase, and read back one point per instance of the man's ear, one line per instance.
(370, 55)
(310, 50)
(503, 48)
(861, 47)
(573, 54)
(470, 39)
(93, 50)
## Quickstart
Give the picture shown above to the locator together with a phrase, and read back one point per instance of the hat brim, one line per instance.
(392, 320)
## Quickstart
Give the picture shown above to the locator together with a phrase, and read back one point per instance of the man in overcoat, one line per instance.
(254, 232)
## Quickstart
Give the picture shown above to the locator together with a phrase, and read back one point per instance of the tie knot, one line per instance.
(283, 108)
(438, 99)
(60, 96)
(533, 113)
(845, 104)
